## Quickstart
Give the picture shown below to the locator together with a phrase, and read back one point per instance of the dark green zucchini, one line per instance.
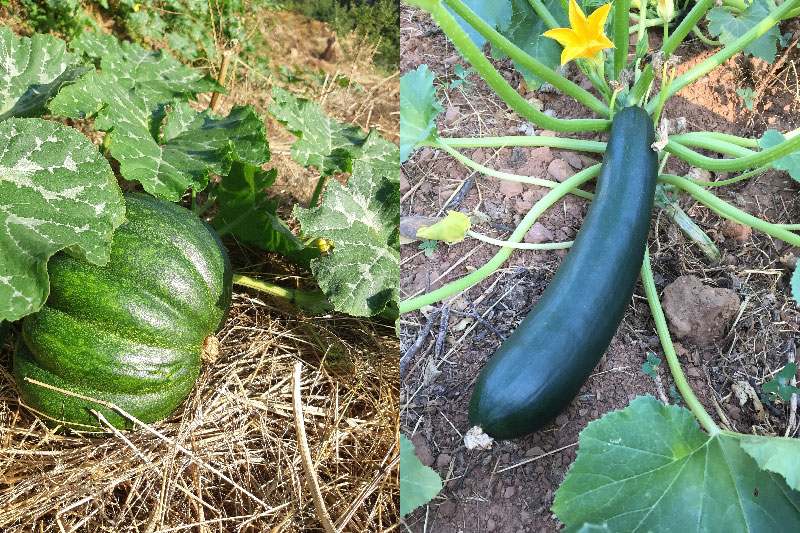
(539, 369)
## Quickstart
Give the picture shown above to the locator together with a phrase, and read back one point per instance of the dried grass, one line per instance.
(238, 420)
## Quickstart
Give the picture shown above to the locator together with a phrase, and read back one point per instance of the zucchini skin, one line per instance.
(542, 365)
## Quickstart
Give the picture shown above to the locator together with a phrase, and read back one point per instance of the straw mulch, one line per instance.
(229, 458)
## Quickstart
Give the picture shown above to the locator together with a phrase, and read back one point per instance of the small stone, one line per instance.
(542, 154)
(738, 232)
(693, 372)
(561, 419)
(536, 451)
(451, 115)
(443, 460)
(573, 159)
(511, 188)
(491, 525)
(508, 492)
(538, 234)
(405, 186)
(560, 170)
(447, 509)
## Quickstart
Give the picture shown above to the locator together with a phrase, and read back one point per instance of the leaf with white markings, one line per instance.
(323, 142)
(649, 467)
(31, 72)
(362, 273)
(159, 71)
(56, 191)
(168, 147)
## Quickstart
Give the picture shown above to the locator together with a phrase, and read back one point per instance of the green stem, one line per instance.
(317, 191)
(520, 245)
(730, 50)
(106, 142)
(499, 258)
(475, 57)
(699, 35)
(690, 138)
(523, 59)
(506, 175)
(544, 14)
(312, 300)
(741, 177)
(649, 23)
(516, 140)
(669, 350)
(709, 143)
(683, 29)
(622, 10)
(756, 159)
(726, 210)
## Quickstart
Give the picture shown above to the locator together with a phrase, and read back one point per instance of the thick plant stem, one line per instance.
(755, 159)
(499, 258)
(317, 191)
(729, 51)
(315, 301)
(726, 210)
(669, 350)
(475, 56)
(621, 20)
(517, 54)
(505, 175)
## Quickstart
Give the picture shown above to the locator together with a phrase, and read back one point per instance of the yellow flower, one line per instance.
(136, 7)
(586, 37)
(665, 9)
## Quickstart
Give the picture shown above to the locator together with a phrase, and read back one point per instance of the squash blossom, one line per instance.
(585, 38)
(665, 9)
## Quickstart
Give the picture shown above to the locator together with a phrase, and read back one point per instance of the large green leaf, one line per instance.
(418, 109)
(419, 484)
(362, 273)
(649, 467)
(31, 72)
(495, 14)
(789, 162)
(729, 28)
(159, 71)
(525, 30)
(56, 191)
(167, 146)
(247, 213)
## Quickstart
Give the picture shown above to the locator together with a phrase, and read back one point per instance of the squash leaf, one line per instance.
(419, 484)
(33, 69)
(362, 273)
(418, 109)
(729, 28)
(56, 191)
(161, 73)
(649, 461)
(165, 145)
(248, 214)
(789, 162)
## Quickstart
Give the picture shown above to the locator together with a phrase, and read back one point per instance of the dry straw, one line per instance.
(230, 458)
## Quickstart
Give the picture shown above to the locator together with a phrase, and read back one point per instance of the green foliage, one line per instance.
(649, 367)
(729, 28)
(418, 109)
(748, 95)
(461, 77)
(790, 162)
(780, 385)
(419, 484)
(649, 461)
(379, 19)
(428, 246)
(60, 16)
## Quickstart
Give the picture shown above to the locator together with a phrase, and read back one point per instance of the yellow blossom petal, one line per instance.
(585, 38)
(450, 229)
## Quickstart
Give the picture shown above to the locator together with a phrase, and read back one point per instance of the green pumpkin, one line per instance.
(130, 332)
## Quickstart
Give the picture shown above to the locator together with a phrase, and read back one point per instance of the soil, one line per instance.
(510, 488)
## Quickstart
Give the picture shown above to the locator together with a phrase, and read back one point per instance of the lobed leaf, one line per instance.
(649, 467)
(56, 191)
(418, 109)
(728, 28)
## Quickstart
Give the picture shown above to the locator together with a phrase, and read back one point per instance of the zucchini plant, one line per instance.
(93, 273)
(538, 370)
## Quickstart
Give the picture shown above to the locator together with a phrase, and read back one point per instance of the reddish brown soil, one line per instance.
(479, 495)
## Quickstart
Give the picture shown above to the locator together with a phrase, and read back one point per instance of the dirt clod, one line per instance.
(696, 312)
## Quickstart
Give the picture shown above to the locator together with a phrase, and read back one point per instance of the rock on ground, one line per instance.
(696, 312)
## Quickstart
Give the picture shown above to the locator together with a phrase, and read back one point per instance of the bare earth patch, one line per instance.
(510, 488)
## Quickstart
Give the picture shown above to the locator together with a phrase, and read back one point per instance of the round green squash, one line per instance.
(130, 332)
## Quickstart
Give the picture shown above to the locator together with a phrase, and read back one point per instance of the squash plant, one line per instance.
(672, 467)
(93, 273)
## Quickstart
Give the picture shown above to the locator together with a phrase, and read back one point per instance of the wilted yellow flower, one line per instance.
(585, 38)
(450, 229)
